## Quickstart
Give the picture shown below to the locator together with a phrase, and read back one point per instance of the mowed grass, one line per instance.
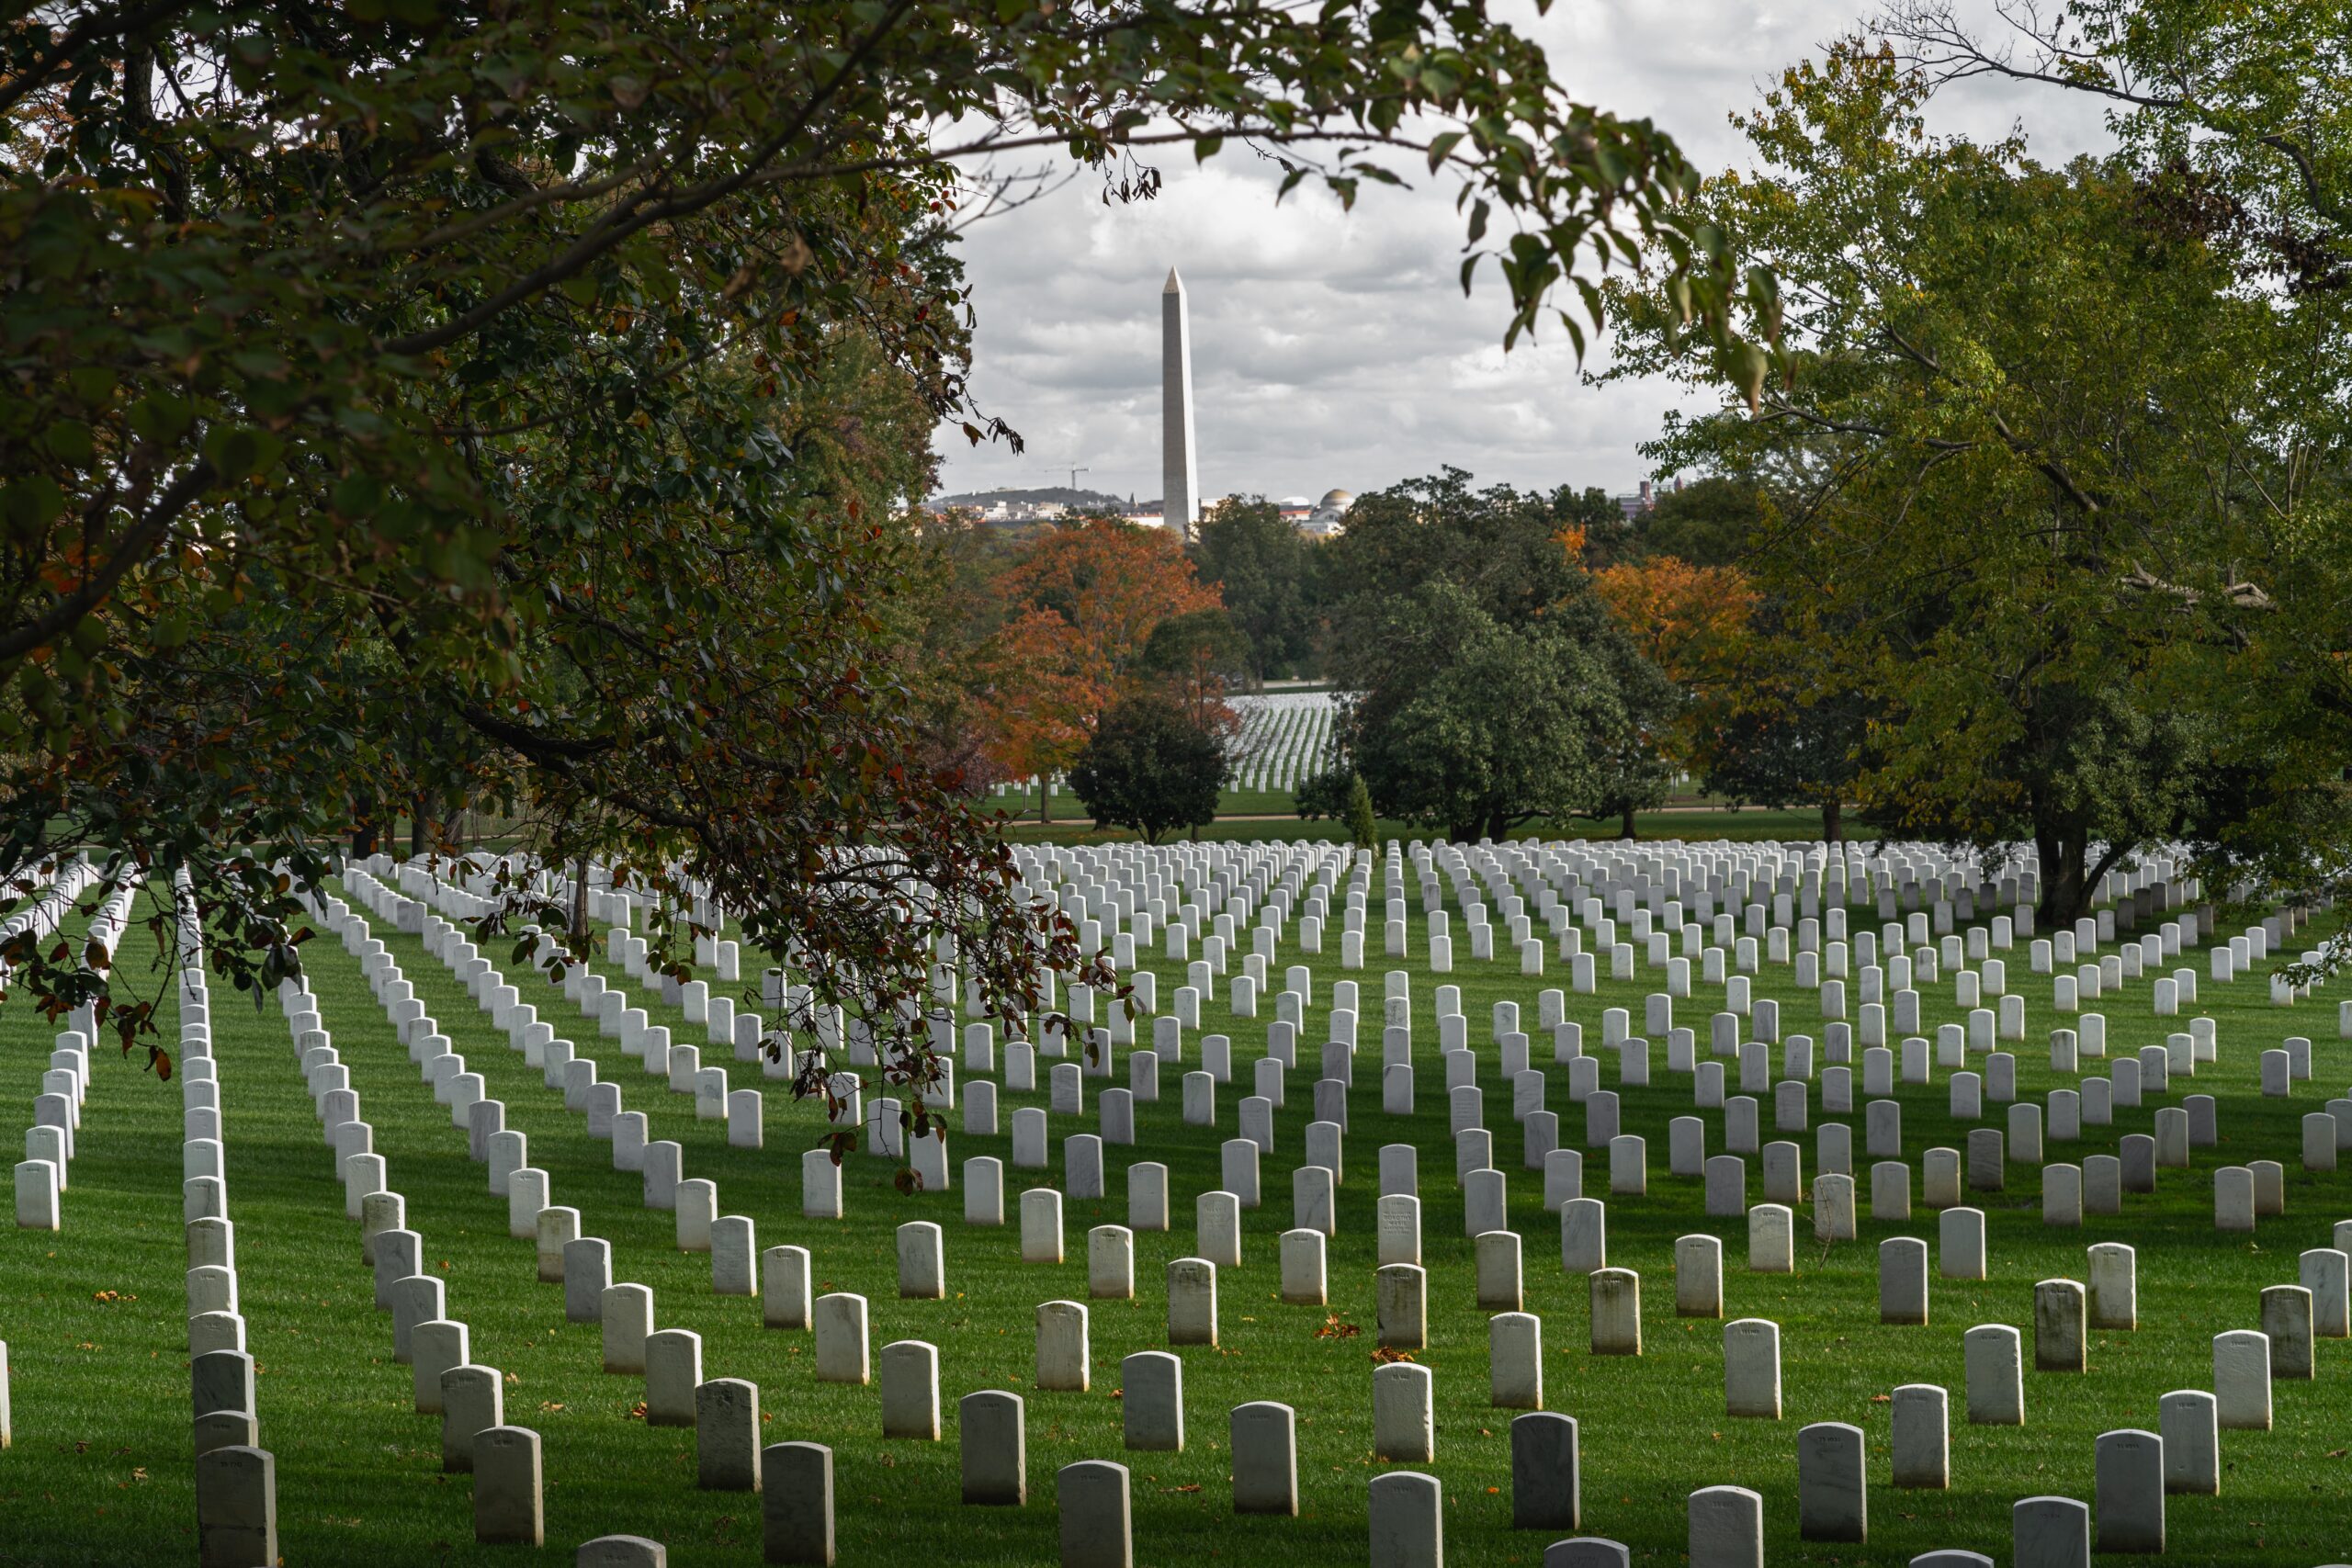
(101, 1469)
(1022, 804)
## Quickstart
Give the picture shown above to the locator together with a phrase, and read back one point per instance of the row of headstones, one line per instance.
(40, 1178)
(1314, 1186)
(2124, 1086)
(576, 1078)
(1727, 865)
(740, 1110)
(467, 1396)
(1283, 743)
(50, 892)
(669, 1361)
(679, 1067)
(236, 1500)
(236, 1487)
(1583, 1229)
(2177, 1129)
(2067, 1113)
(724, 1412)
(1299, 972)
(233, 1474)
(731, 1240)
(2064, 1201)
(1943, 915)
(226, 1412)
(504, 1154)
(43, 1176)
(1902, 1283)
(223, 1370)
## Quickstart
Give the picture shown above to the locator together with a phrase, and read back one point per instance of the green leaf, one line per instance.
(358, 495)
(30, 505)
(162, 419)
(68, 442)
(239, 453)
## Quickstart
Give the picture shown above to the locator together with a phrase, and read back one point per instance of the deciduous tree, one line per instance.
(1082, 599)
(1270, 579)
(1152, 766)
(2027, 431)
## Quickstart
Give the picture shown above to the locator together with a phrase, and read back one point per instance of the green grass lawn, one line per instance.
(1021, 805)
(100, 1470)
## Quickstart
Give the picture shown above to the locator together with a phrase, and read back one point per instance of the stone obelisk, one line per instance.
(1180, 502)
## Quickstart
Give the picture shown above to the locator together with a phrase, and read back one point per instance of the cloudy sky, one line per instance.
(1337, 349)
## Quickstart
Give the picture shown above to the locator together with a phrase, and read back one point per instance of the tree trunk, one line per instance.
(417, 838)
(1625, 824)
(1833, 820)
(2066, 897)
(1045, 799)
(579, 904)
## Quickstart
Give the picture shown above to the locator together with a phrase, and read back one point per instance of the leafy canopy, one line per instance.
(413, 406)
(2030, 435)
(1150, 765)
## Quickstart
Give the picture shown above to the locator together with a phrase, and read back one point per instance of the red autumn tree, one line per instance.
(1081, 603)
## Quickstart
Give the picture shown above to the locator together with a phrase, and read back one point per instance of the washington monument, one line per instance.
(1180, 502)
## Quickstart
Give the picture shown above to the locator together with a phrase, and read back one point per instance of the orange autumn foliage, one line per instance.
(1687, 620)
(1081, 603)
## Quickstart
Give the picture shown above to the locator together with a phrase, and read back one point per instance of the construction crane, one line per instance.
(1074, 472)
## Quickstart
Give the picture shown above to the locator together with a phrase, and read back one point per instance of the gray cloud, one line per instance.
(1336, 349)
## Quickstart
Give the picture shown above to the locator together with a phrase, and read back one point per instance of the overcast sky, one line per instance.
(1335, 349)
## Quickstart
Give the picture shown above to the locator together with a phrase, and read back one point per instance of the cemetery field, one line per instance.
(93, 1314)
(1020, 805)
(1756, 825)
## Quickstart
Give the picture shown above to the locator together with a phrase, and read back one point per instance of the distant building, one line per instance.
(1642, 502)
(1329, 517)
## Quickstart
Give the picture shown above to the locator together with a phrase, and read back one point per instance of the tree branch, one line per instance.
(87, 30)
(136, 546)
(619, 225)
(2238, 595)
